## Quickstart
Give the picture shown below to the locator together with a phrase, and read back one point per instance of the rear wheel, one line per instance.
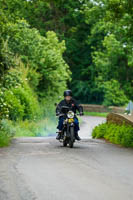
(71, 141)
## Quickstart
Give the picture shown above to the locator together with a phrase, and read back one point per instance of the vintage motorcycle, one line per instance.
(68, 133)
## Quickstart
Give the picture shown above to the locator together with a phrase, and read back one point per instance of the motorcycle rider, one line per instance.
(71, 103)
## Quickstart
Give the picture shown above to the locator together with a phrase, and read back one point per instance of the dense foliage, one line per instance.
(47, 46)
(98, 36)
(117, 134)
(32, 63)
(33, 73)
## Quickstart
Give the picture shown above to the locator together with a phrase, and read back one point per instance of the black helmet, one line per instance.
(68, 93)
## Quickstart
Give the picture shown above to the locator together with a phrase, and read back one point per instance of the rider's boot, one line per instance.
(58, 137)
(77, 136)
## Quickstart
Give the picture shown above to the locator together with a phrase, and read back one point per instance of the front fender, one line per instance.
(68, 128)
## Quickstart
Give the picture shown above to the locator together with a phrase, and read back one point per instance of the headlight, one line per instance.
(70, 114)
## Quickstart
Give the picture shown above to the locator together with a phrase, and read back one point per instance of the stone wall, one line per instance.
(100, 108)
(120, 119)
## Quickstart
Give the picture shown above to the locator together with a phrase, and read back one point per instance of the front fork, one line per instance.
(66, 129)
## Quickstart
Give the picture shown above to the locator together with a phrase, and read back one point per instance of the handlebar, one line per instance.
(61, 115)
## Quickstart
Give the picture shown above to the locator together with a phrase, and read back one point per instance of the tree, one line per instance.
(97, 35)
(43, 54)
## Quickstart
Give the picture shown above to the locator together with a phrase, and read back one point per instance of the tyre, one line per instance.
(71, 141)
(64, 140)
(64, 143)
(71, 144)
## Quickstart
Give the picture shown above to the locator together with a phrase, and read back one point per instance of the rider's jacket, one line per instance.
(72, 104)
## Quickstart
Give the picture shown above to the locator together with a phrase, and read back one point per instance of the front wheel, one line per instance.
(64, 140)
(71, 141)
(71, 144)
(64, 143)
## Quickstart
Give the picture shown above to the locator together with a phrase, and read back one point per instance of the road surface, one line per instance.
(41, 169)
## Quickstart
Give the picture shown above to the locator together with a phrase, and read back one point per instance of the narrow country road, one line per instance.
(41, 169)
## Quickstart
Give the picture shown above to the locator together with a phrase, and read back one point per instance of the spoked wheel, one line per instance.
(64, 143)
(64, 140)
(71, 144)
(71, 141)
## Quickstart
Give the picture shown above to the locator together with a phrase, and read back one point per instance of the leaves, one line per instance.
(117, 134)
(93, 37)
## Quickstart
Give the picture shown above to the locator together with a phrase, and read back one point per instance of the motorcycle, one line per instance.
(68, 133)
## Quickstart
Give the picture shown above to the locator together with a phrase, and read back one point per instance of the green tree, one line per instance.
(98, 38)
(43, 54)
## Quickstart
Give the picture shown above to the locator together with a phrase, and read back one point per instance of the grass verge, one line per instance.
(98, 114)
(41, 128)
(4, 140)
(6, 132)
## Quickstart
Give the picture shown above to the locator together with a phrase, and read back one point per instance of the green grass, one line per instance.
(4, 140)
(6, 132)
(27, 128)
(98, 114)
(33, 129)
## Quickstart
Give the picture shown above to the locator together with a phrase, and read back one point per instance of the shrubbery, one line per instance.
(7, 131)
(18, 101)
(33, 75)
(117, 134)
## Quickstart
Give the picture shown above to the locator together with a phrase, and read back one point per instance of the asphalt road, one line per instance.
(41, 169)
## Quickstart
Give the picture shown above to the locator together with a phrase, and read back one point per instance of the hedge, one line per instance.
(117, 134)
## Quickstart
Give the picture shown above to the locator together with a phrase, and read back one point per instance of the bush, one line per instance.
(19, 104)
(117, 134)
(29, 102)
(18, 100)
(16, 109)
(7, 131)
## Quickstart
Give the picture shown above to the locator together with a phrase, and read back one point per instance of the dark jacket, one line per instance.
(72, 104)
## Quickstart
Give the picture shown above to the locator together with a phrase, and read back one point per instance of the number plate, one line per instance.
(70, 120)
